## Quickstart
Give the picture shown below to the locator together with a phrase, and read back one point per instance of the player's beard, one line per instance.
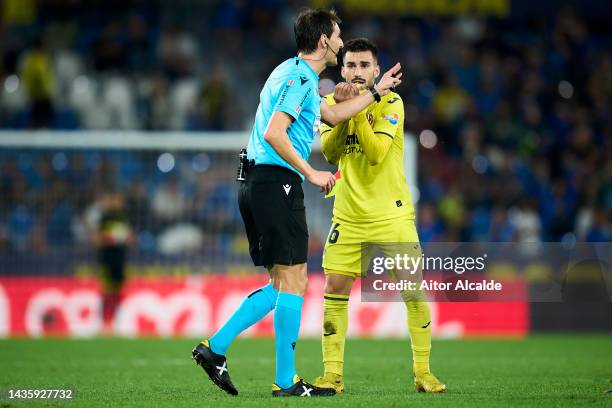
(365, 85)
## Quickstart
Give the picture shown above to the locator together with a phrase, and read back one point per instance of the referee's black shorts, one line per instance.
(271, 202)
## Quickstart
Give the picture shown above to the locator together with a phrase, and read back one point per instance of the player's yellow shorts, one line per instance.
(343, 247)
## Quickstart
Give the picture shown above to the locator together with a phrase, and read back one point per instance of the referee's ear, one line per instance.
(323, 42)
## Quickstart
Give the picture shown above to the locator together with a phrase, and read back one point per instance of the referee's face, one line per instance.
(360, 68)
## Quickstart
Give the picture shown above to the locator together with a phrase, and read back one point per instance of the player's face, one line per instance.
(360, 69)
(334, 45)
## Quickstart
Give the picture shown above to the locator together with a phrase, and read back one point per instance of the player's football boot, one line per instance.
(428, 382)
(215, 366)
(330, 380)
(300, 388)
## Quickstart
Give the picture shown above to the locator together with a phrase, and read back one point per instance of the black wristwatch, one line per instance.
(375, 94)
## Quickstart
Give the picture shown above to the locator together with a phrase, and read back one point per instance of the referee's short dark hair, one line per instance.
(310, 25)
(359, 45)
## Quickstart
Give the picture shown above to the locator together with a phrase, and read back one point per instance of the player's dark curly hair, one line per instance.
(359, 45)
(310, 25)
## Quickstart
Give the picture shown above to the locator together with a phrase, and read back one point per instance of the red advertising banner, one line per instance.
(196, 306)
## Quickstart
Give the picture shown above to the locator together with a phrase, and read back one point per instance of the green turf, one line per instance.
(540, 371)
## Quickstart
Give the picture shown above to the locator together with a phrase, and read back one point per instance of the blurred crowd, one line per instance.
(54, 200)
(513, 117)
(136, 64)
(170, 204)
(515, 120)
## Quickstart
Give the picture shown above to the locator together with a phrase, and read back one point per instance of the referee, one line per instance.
(271, 199)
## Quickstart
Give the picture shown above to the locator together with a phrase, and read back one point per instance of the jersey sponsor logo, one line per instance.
(352, 139)
(353, 149)
(299, 108)
(281, 100)
(393, 100)
(393, 119)
(352, 145)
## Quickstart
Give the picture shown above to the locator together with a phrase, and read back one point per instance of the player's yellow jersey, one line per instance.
(369, 191)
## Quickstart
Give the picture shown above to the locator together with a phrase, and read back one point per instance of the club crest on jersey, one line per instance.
(393, 119)
(370, 118)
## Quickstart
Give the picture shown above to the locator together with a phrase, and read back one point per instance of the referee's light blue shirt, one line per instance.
(293, 88)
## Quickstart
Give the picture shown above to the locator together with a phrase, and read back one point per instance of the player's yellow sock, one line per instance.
(335, 324)
(419, 326)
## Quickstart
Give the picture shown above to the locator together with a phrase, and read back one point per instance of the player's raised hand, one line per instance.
(389, 80)
(345, 91)
(323, 179)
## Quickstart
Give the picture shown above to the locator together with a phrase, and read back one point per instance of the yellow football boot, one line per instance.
(427, 382)
(330, 380)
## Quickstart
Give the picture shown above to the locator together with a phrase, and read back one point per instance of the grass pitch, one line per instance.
(551, 370)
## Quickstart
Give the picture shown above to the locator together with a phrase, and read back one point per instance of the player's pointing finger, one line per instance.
(394, 69)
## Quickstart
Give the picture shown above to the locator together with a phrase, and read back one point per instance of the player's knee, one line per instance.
(336, 284)
(333, 287)
(297, 285)
(293, 280)
(302, 282)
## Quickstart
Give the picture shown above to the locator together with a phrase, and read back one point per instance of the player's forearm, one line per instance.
(332, 142)
(343, 111)
(374, 146)
(282, 145)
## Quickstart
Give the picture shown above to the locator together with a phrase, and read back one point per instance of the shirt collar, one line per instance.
(308, 67)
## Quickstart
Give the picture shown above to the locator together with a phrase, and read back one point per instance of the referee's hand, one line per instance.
(323, 179)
